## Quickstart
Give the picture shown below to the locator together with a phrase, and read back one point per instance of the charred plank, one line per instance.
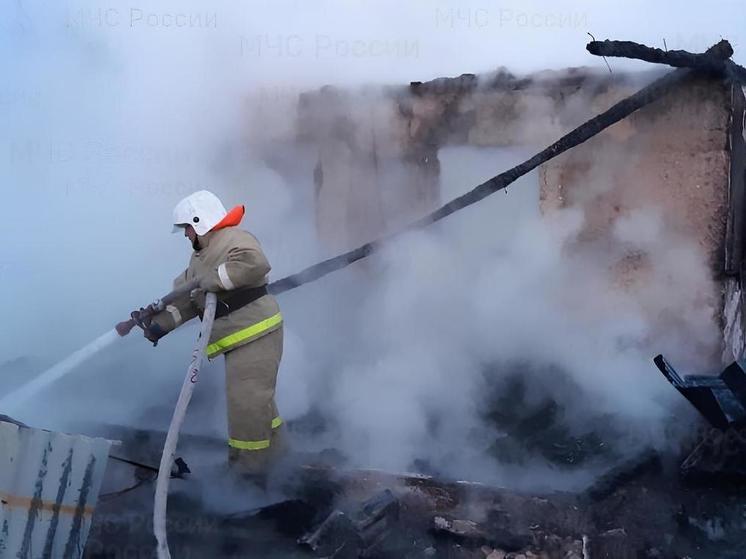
(715, 60)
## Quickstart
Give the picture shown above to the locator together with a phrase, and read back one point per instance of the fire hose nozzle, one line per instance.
(136, 317)
(125, 327)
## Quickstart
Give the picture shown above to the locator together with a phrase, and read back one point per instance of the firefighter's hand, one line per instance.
(197, 297)
(144, 316)
(154, 333)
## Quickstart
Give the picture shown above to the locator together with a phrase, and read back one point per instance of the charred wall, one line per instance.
(680, 156)
(671, 155)
(378, 166)
(376, 170)
(669, 160)
(734, 318)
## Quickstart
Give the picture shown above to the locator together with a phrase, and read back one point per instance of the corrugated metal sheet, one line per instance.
(49, 484)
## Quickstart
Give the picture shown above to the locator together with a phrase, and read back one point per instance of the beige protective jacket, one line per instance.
(228, 259)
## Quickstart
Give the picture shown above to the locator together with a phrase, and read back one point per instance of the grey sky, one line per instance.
(338, 41)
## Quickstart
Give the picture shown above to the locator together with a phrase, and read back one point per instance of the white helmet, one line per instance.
(202, 210)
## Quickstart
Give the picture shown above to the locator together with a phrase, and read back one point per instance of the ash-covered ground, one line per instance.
(635, 504)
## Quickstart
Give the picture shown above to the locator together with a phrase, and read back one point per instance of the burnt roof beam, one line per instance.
(716, 60)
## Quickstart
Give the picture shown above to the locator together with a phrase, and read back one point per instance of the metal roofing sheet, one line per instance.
(49, 485)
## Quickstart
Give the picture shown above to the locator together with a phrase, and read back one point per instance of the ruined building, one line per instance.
(681, 157)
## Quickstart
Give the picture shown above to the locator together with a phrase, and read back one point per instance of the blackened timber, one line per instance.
(736, 226)
(715, 60)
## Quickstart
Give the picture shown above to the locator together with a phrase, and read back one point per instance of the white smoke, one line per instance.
(112, 112)
(451, 312)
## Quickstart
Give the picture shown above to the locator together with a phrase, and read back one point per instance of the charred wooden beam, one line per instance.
(358, 534)
(736, 228)
(721, 400)
(332, 536)
(712, 60)
(8, 419)
(375, 517)
(715, 60)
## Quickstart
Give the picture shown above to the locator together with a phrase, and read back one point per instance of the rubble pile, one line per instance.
(641, 508)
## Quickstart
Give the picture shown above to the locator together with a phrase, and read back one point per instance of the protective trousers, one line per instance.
(253, 420)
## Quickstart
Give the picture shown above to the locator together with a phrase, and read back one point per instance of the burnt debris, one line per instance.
(720, 399)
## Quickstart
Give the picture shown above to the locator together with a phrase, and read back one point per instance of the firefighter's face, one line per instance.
(190, 233)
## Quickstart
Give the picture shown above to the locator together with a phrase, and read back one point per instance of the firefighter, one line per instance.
(248, 327)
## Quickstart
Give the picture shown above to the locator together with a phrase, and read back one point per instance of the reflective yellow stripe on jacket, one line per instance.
(254, 445)
(244, 334)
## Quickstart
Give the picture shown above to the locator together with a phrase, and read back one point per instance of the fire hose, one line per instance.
(142, 318)
(172, 437)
